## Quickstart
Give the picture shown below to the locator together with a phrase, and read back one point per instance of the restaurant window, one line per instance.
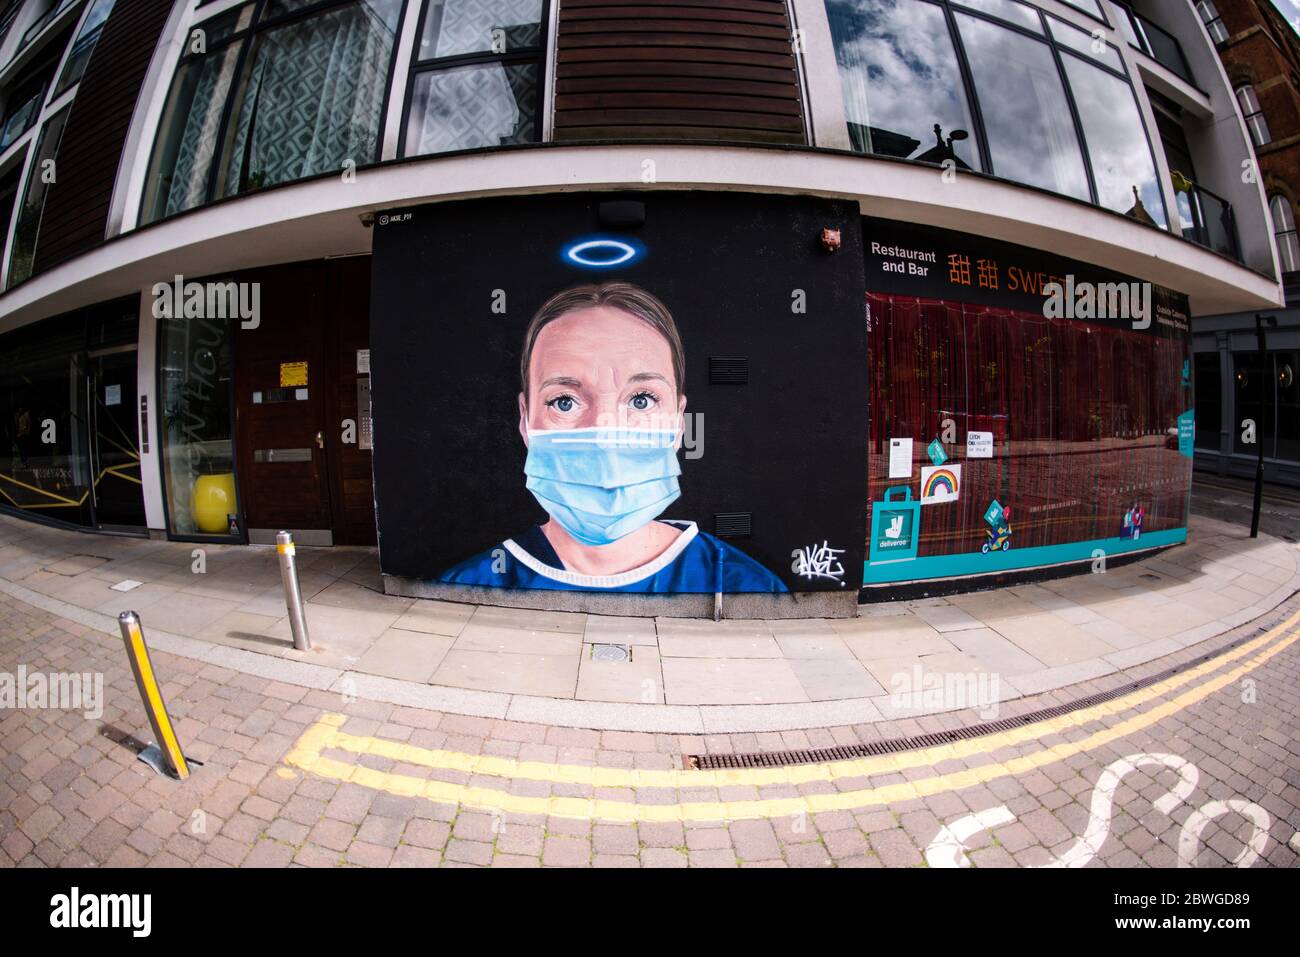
(39, 176)
(1253, 114)
(1284, 229)
(903, 91)
(1027, 117)
(195, 386)
(476, 76)
(270, 93)
(1067, 405)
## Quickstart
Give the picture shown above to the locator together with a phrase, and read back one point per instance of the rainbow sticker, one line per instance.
(939, 484)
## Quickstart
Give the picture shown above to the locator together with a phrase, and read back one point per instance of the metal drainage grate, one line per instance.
(611, 653)
(772, 759)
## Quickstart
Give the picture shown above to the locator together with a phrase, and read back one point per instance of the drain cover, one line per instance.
(611, 653)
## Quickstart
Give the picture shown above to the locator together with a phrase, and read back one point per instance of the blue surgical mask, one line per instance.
(601, 484)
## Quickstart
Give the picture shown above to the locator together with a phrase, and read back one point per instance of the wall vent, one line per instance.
(733, 524)
(729, 370)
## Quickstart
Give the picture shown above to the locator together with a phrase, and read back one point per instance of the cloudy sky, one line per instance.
(1290, 9)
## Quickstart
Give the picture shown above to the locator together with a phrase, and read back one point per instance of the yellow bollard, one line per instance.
(165, 736)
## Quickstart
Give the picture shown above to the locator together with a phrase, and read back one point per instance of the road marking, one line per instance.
(308, 755)
(1189, 838)
(1102, 804)
(948, 849)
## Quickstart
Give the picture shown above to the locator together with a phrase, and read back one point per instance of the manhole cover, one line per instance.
(611, 653)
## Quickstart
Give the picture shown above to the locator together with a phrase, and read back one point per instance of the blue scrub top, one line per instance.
(693, 564)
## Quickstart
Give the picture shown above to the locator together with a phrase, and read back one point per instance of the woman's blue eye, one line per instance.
(642, 402)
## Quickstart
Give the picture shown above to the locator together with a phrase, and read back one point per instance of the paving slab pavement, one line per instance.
(224, 603)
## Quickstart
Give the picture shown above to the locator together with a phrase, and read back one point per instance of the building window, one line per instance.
(1284, 228)
(33, 206)
(1090, 7)
(1214, 25)
(8, 13)
(52, 10)
(903, 91)
(1209, 401)
(295, 91)
(1117, 145)
(1253, 114)
(1009, 91)
(84, 46)
(1027, 116)
(24, 102)
(476, 78)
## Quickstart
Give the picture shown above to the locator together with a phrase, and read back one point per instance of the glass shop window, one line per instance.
(195, 381)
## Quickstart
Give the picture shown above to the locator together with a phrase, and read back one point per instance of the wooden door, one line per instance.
(281, 384)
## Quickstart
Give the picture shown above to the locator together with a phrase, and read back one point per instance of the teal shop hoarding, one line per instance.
(1009, 433)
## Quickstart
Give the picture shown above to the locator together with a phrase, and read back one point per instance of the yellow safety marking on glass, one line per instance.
(153, 702)
(308, 754)
(40, 491)
(113, 471)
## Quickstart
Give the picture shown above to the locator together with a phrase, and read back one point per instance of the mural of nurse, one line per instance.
(602, 413)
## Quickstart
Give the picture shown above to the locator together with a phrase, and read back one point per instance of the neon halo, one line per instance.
(619, 253)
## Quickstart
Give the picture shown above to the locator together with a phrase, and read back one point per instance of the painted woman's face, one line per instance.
(600, 367)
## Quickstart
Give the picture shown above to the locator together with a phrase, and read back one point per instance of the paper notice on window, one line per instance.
(979, 445)
(900, 458)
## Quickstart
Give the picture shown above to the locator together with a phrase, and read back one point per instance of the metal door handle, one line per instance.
(320, 440)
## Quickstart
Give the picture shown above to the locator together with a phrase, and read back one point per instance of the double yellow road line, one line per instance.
(309, 755)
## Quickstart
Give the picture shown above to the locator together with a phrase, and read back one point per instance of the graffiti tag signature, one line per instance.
(819, 561)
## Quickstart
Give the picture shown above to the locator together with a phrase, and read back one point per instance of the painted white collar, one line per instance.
(658, 564)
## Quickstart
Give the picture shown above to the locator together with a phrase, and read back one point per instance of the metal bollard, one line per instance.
(292, 595)
(167, 751)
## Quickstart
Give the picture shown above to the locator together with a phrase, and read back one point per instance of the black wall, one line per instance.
(790, 446)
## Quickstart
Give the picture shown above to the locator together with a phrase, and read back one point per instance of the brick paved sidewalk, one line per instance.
(73, 793)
